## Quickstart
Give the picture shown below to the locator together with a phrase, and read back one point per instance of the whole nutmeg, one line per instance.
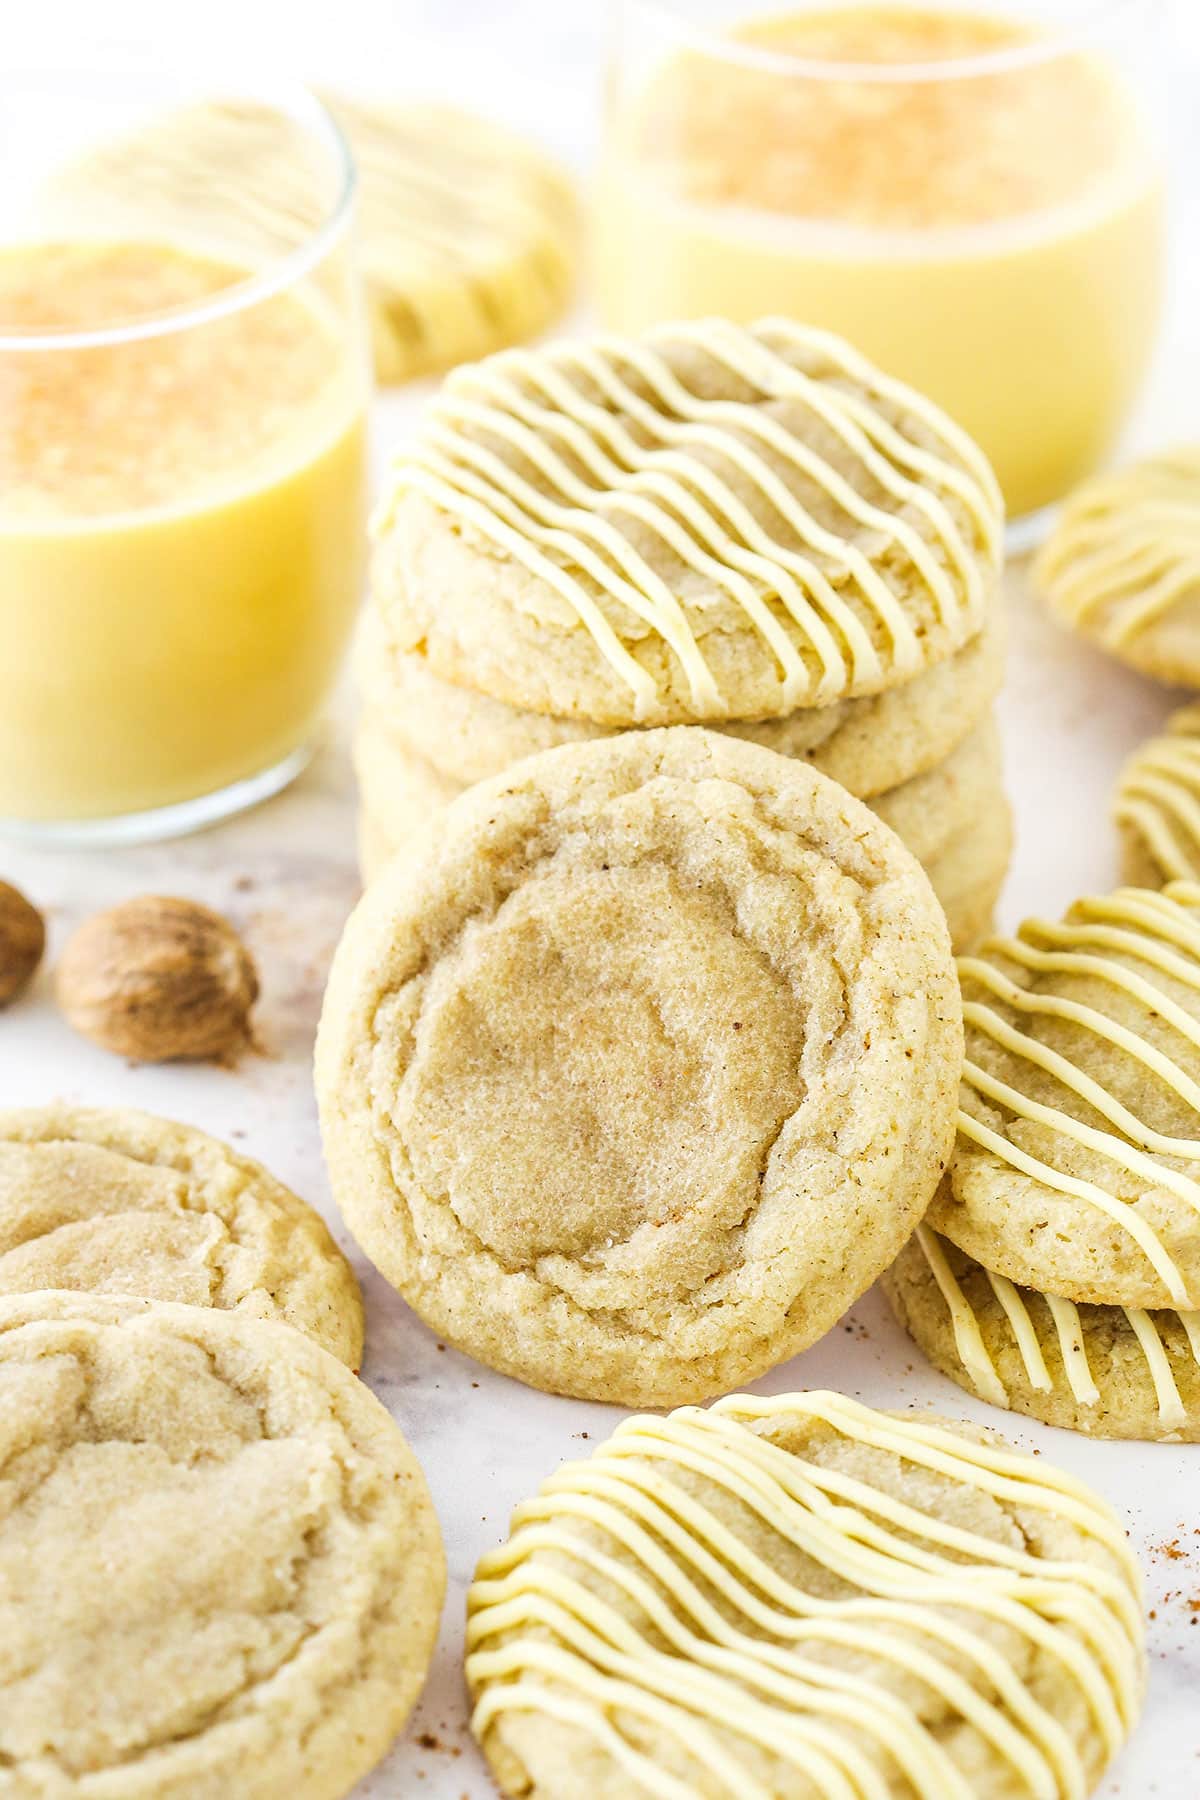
(157, 978)
(22, 941)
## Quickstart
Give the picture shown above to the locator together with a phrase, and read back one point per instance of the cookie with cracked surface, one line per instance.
(1106, 1371)
(1157, 805)
(120, 1202)
(1077, 1164)
(641, 1065)
(1122, 565)
(798, 1598)
(966, 877)
(869, 745)
(704, 523)
(221, 1566)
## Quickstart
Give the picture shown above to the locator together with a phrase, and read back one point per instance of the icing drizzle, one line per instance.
(728, 1640)
(1158, 796)
(593, 462)
(1161, 933)
(1070, 1333)
(1127, 547)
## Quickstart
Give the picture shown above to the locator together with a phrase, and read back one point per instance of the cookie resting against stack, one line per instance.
(220, 1566)
(642, 1065)
(797, 1598)
(1058, 1270)
(750, 528)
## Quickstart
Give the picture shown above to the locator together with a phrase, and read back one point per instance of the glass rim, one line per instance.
(301, 105)
(722, 46)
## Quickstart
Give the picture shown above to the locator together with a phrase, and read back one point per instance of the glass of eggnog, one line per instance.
(972, 194)
(183, 392)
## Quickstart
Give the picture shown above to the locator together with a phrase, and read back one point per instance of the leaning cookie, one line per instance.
(221, 1569)
(708, 522)
(641, 1064)
(799, 1596)
(1107, 1371)
(119, 1202)
(1122, 566)
(1157, 805)
(1077, 1163)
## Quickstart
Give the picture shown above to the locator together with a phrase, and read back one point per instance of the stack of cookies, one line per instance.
(749, 528)
(1058, 1270)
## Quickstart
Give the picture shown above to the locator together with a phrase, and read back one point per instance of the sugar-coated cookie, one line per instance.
(870, 745)
(1122, 566)
(707, 522)
(955, 819)
(798, 1596)
(109, 1200)
(220, 1567)
(1107, 1371)
(641, 1065)
(1077, 1165)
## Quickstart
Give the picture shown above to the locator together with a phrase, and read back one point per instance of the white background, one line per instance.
(286, 874)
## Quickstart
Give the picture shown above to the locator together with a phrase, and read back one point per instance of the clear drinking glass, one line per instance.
(183, 393)
(973, 197)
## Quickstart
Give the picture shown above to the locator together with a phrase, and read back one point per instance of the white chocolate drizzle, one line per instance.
(1158, 796)
(1127, 547)
(593, 462)
(734, 1650)
(1162, 933)
(1069, 1322)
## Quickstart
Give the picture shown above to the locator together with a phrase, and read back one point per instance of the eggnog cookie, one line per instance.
(1123, 565)
(119, 1202)
(799, 1596)
(1157, 805)
(640, 1066)
(468, 234)
(401, 790)
(968, 875)
(221, 1569)
(1077, 1165)
(1108, 1371)
(868, 745)
(707, 522)
(955, 820)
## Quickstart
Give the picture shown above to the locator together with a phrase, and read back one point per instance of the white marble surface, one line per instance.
(286, 875)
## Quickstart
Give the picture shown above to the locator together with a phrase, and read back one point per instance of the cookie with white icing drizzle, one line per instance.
(704, 523)
(468, 233)
(798, 1598)
(1122, 566)
(1157, 805)
(1077, 1164)
(641, 1065)
(870, 745)
(1107, 1371)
